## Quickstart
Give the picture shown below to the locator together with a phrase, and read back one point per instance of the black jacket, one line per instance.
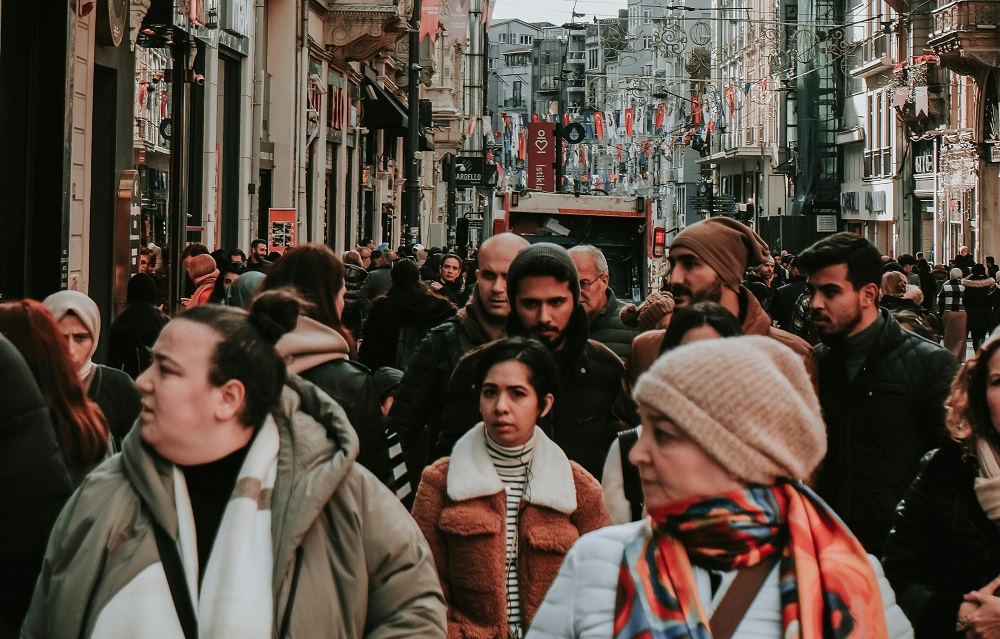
(399, 322)
(34, 483)
(354, 278)
(981, 295)
(942, 545)
(350, 385)
(783, 300)
(120, 401)
(590, 407)
(419, 399)
(609, 329)
(132, 336)
(879, 426)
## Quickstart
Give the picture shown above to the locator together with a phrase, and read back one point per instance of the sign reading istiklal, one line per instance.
(541, 156)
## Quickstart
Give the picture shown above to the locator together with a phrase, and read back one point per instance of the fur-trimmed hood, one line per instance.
(471, 473)
(978, 282)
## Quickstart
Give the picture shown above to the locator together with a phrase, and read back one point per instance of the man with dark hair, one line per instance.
(908, 262)
(237, 260)
(784, 298)
(258, 257)
(882, 388)
(543, 288)
(417, 411)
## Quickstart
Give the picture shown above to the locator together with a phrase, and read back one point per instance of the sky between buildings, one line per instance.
(555, 11)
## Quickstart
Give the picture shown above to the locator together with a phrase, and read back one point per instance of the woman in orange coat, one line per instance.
(503, 510)
(203, 271)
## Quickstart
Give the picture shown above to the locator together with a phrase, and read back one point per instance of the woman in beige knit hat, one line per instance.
(730, 426)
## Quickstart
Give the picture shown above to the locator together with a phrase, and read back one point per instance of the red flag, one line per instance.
(696, 109)
(163, 104)
(471, 128)
(522, 145)
(566, 119)
(598, 124)
(430, 12)
(731, 99)
(534, 117)
(142, 94)
(660, 115)
(629, 119)
(620, 149)
(583, 154)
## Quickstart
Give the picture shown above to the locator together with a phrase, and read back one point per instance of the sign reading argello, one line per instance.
(541, 156)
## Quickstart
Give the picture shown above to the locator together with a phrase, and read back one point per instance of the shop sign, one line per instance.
(111, 18)
(281, 229)
(469, 171)
(236, 17)
(826, 223)
(541, 156)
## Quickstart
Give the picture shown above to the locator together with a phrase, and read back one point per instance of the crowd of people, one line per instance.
(489, 443)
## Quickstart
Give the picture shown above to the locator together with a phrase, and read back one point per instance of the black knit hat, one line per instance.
(539, 260)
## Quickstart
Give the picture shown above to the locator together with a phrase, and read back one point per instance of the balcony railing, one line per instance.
(965, 35)
(968, 16)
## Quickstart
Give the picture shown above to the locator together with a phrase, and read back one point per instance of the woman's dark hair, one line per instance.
(968, 416)
(246, 349)
(697, 315)
(141, 289)
(863, 260)
(79, 424)
(317, 275)
(407, 286)
(543, 372)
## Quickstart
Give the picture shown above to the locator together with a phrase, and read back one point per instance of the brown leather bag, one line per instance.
(735, 603)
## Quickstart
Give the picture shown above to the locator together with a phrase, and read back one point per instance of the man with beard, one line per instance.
(543, 288)
(882, 388)
(415, 416)
(707, 263)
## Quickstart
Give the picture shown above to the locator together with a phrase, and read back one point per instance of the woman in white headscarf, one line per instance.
(113, 390)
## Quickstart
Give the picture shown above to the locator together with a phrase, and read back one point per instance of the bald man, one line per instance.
(416, 411)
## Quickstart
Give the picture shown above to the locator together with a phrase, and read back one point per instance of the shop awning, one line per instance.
(382, 110)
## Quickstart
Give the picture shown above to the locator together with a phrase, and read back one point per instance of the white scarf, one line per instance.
(236, 598)
(988, 483)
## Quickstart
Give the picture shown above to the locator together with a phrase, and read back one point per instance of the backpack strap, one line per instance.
(630, 473)
(176, 580)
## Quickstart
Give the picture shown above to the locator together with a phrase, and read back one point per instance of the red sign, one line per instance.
(542, 156)
(281, 229)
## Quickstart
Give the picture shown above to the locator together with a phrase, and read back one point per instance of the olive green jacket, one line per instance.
(349, 562)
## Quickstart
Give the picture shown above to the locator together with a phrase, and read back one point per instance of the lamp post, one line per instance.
(412, 146)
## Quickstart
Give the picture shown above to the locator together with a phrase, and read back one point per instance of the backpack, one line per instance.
(630, 472)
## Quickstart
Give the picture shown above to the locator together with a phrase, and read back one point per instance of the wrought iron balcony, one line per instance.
(965, 35)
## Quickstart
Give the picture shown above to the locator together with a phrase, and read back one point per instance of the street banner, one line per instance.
(628, 122)
(541, 156)
(430, 11)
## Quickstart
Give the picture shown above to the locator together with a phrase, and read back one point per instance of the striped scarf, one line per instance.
(513, 465)
(828, 588)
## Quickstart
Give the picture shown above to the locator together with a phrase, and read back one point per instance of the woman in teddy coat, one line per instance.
(503, 510)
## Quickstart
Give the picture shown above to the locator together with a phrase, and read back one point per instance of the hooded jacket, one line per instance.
(399, 318)
(347, 557)
(321, 355)
(461, 507)
(590, 408)
(981, 295)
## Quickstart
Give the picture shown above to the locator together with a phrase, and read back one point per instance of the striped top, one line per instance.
(513, 465)
(950, 297)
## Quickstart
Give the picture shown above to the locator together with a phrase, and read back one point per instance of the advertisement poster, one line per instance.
(280, 229)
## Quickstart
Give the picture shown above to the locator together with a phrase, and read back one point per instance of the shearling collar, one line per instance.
(984, 282)
(471, 473)
(311, 344)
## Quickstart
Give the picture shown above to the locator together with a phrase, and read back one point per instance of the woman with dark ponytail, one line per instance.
(235, 509)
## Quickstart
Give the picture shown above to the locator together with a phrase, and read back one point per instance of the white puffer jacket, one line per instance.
(581, 602)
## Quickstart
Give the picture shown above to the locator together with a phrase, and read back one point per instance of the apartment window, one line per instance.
(878, 136)
(647, 16)
(647, 43)
(592, 59)
(526, 39)
(502, 37)
(516, 89)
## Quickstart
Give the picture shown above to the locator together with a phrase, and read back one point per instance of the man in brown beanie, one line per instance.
(882, 388)
(707, 263)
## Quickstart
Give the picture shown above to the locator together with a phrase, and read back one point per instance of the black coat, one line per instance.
(34, 483)
(879, 426)
(395, 322)
(350, 385)
(132, 335)
(942, 545)
(354, 278)
(610, 330)
(981, 295)
(783, 301)
(419, 399)
(120, 401)
(590, 407)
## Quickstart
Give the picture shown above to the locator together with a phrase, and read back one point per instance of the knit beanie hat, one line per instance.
(721, 392)
(539, 260)
(200, 266)
(728, 246)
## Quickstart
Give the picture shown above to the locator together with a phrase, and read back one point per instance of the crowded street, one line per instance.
(490, 319)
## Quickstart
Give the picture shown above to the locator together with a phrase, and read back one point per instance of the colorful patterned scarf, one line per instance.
(828, 588)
